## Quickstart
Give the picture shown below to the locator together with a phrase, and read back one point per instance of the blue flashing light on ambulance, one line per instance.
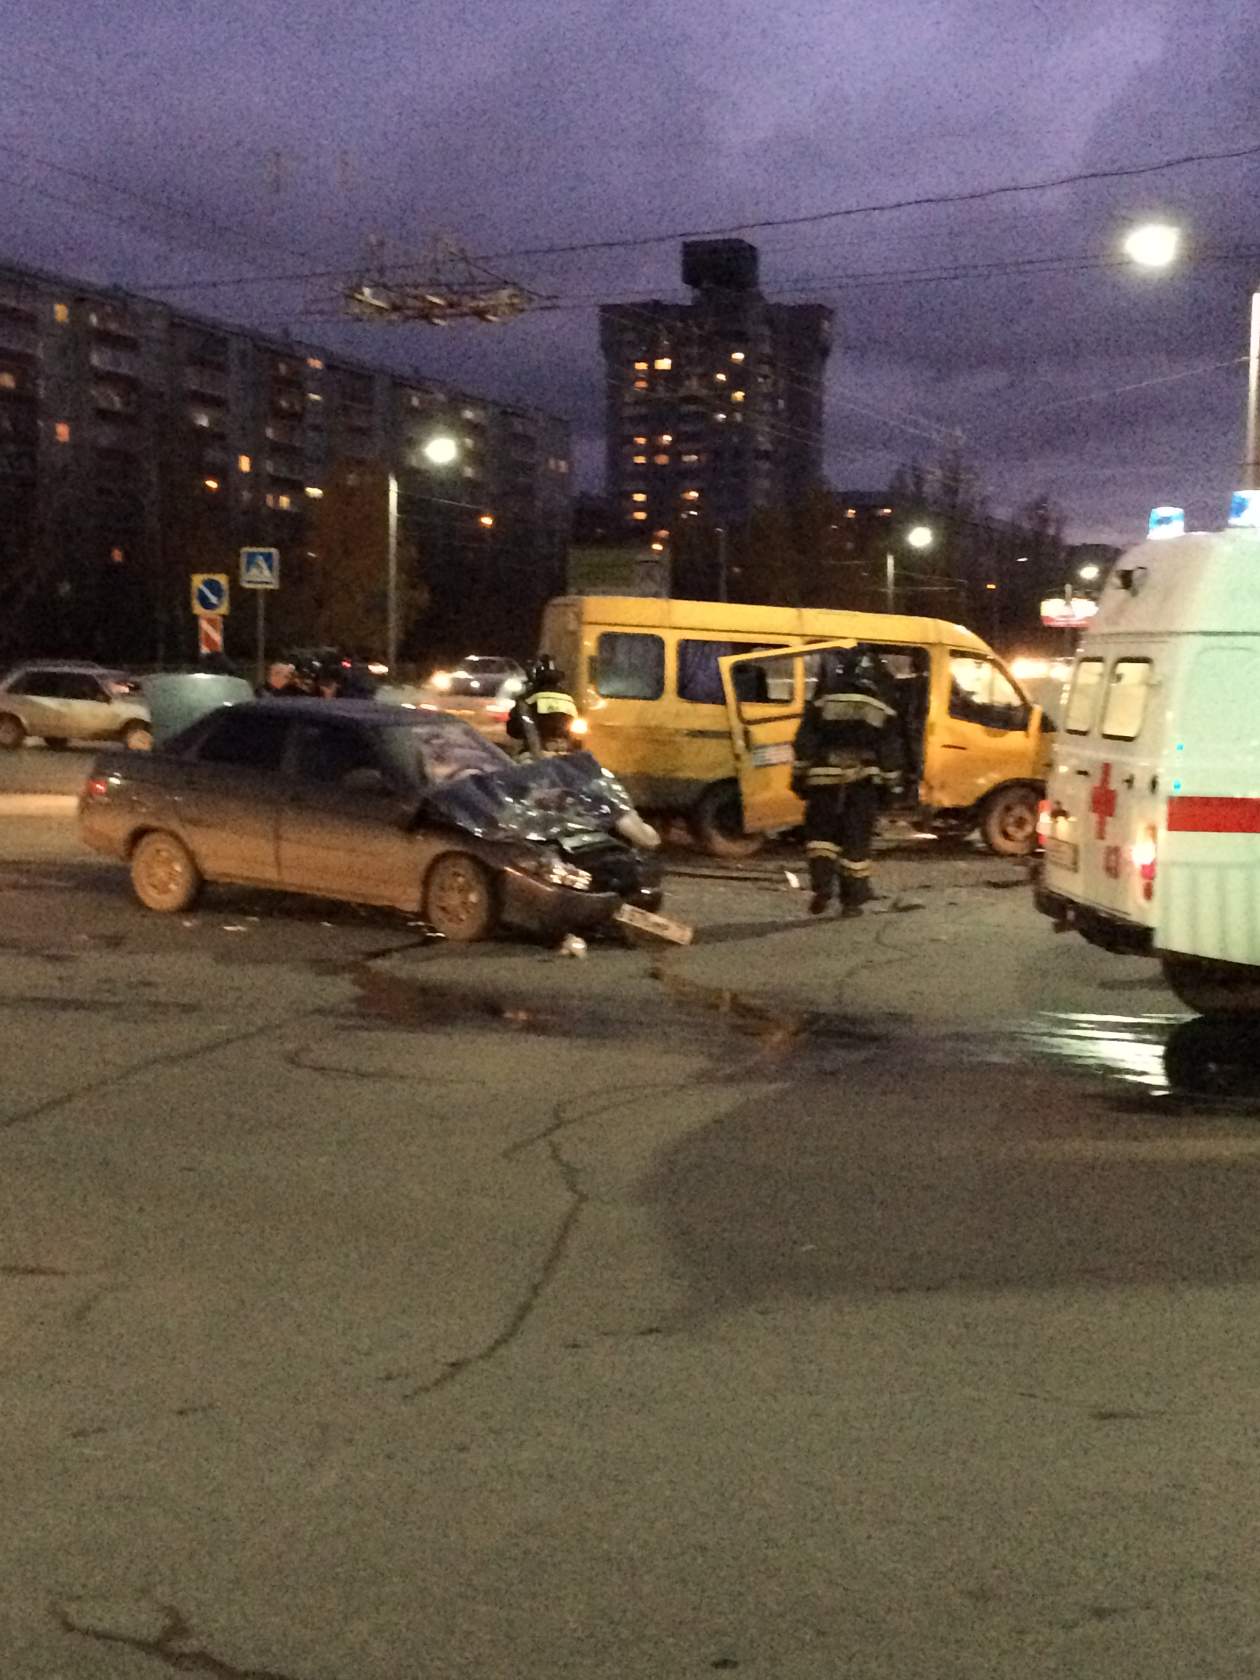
(1150, 825)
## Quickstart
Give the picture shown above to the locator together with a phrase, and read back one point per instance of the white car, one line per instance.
(63, 702)
(481, 690)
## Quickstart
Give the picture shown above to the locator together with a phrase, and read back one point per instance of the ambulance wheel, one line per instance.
(459, 900)
(1212, 988)
(716, 822)
(1214, 1058)
(1008, 821)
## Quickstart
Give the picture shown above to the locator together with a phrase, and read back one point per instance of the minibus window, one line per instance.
(1126, 699)
(979, 692)
(1082, 697)
(629, 667)
(699, 678)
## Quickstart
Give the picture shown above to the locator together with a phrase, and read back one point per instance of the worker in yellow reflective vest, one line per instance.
(544, 714)
(847, 764)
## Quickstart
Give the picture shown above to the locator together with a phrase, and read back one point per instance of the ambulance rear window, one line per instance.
(1083, 697)
(1126, 699)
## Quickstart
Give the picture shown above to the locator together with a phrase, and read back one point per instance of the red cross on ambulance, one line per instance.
(1102, 802)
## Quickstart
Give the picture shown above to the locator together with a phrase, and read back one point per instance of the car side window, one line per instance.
(980, 692)
(630, 666)
(78, 685)
(328, 753)
(699, 678)
(245, 738)
(1125, 706)
(40, 685)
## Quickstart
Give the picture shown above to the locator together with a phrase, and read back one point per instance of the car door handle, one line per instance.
(1128, 781)
(952, 746)
(1082, 772)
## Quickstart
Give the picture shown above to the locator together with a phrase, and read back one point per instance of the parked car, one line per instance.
(480, 690)
(371, 804)
(63, 702)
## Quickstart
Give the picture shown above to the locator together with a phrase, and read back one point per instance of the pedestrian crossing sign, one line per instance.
(260, 568)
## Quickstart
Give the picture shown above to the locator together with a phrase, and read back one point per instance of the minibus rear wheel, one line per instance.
(1008, 820)
(716, 821)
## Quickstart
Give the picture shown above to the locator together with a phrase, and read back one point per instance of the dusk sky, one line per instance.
(262, 138)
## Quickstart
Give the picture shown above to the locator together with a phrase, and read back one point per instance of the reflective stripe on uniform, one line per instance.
(853, 708)
(821, 848)
(547, 703)
(847, 867)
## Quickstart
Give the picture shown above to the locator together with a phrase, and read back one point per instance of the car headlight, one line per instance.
(557, 871)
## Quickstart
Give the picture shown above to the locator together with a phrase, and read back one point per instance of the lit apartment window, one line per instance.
(313, 396)
(314, 362)
(666, 437)
(640, 384)
(639, 460)
(850, 513)
(639, 496)
(662, 364)
(662, 534)
(720, 378)
(61, 313)
(199, 416)
(243, 463)
(314, 492)
(737, 355)
(719, 416)
(638, 514)
(691, 495)
(285, 503)
(737, 396)
(640, 440)
(211, 483)
(689, 460)
(640, 367)
(658, 548)
(61, 431)
(8, 380)
(885, 510)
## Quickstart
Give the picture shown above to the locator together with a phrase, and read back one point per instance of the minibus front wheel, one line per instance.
(716, 821)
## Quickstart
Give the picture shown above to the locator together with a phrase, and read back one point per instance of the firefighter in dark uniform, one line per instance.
(543, 714)
(847, 765)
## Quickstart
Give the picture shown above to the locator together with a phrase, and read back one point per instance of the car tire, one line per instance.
(12, 732)
(1214, 1057)
(716, 822)
(1008, 820)
(137, 737)
(56, 743)
(164, 873)
(459, 898)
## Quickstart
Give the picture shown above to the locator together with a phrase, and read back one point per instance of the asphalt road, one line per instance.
(824, 1299)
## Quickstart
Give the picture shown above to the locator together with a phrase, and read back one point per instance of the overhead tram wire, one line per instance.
(754, 224)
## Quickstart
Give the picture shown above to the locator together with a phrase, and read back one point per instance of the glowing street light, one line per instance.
(1153, 245)
(918, 536)
(440, 451)
(1089, 574)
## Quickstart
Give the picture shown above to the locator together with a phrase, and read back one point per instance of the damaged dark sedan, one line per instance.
(373, 804)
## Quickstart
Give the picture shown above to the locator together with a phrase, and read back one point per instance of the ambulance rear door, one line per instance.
(1100, 833)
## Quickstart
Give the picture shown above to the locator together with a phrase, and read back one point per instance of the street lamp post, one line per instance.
(1156, 245)
(439, 451)
(918, 536)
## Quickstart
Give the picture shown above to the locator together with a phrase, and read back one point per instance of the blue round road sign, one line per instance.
(211, 593)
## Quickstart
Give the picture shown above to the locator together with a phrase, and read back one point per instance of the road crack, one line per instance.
(170, 1645)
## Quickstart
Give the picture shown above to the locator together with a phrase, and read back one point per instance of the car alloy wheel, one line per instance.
(164, 873)
(459, 898)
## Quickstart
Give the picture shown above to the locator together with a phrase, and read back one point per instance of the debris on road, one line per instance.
(571, 946)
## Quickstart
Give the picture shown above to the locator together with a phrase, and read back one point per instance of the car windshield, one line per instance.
(440, 749)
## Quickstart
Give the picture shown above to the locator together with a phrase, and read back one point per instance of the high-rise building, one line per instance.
(139, 443)
(714, 407)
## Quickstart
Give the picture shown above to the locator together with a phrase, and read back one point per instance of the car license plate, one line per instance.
(1063, 854)
(677, 933)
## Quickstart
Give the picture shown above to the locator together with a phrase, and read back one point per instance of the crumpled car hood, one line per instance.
(176, 699)
(547, 800)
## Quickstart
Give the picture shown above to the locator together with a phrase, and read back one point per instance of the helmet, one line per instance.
(862, 672)
(545, 673)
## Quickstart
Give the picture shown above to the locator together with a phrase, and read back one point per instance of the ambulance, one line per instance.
(1150, 828)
